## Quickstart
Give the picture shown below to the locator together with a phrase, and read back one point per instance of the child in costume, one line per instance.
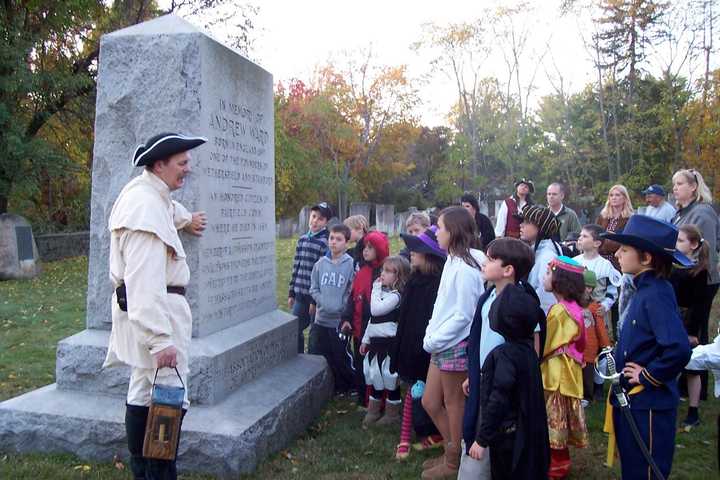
(359, 227)
(508, 261)
(376, 249)
(608, 278)
(652, 348)
(410, 361)
(514, 422)
(562, 363)
(379, 339)
(538, 229)
(596, 338)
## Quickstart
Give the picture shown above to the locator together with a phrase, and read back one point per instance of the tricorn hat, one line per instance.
(651, 235)
(162, 146)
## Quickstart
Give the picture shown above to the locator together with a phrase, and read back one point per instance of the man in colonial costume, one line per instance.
(151, 319)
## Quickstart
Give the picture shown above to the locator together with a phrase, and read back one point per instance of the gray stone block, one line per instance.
(56, 246)
(385, 218)
(303, 219)
(361, 208)
(166, 75)
(219, 363)
(19, 258)
(225, 439)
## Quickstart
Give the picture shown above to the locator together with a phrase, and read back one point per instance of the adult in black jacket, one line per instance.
(484, 225)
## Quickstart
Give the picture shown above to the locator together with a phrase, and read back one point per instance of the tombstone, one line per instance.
(361, 208)
(483, 207)
(400, 219)
(19, 258)
(286, 227)
(333, 221)
(385, 218)
(303, 219)
(250, 391)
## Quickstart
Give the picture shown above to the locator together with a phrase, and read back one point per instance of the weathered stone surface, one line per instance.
(303, 219)
(252, 391)
(149, 82)
(227, 439)
(483, 207)
(219, 363)
(19, 258)
(286, 227)
(361, 208)
(385, 218)
(400, 219)
(56, 246)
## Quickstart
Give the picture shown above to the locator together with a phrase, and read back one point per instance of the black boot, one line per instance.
(135, 420)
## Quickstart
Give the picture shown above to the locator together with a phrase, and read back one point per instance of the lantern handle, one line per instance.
(176, 371)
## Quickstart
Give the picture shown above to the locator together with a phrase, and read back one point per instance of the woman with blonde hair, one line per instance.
(613, 217)
(694, 204)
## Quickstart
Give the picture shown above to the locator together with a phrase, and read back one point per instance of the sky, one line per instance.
(292, 38)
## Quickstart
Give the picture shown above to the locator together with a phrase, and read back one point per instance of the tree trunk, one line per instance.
(3, 204)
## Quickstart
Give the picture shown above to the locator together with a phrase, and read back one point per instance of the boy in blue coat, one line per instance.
(652, 349)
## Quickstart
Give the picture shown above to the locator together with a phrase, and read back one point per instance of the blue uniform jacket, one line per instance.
(654, 337)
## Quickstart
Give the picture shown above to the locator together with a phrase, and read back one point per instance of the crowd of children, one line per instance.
(496, 350)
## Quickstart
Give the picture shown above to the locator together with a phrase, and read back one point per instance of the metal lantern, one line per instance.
(162, 431)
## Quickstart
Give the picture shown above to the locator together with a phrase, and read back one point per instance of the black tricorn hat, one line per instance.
(164, 145)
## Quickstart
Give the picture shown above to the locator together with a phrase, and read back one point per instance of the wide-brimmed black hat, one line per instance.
(529, 183)
(164, 145)
(425, 243)
(651, 235)
(514, 314)
(542, 217)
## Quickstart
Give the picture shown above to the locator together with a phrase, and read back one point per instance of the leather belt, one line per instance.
(176, 290)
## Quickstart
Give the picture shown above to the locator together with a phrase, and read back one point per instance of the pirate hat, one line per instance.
(529, 183)
(163, 146)
(651, 235)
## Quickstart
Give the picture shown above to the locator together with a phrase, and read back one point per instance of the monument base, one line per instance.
(227, 438)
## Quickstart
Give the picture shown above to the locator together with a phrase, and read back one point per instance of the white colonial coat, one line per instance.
(147, 255)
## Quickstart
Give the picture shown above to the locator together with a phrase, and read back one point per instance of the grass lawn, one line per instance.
(35, 314)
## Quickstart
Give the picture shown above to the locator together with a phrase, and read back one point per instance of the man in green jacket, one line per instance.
(569, 222)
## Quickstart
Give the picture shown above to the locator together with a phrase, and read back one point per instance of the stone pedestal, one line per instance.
(250, 391)
(303, 219)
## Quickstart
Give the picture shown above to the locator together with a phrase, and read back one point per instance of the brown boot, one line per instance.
(392, 414)
(435, 461)
(447, 469)
(373, 412)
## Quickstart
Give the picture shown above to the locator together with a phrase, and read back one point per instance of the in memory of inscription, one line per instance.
(237, 263)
